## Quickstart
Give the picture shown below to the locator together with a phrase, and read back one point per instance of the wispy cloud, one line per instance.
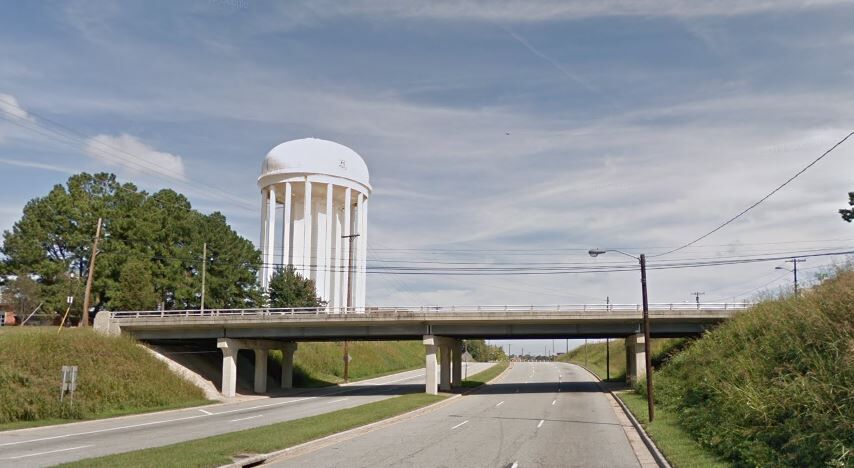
(134, 156)
(37, 165)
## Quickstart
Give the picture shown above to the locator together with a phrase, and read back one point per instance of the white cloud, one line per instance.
(9, 105)
(130, 153)
(553, 10)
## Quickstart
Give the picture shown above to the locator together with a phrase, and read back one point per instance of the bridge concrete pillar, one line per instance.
(457, 362)
(229, 350)
(635, 359)
(432, 376)
(288, 365)
(261, 370)
(445, 367)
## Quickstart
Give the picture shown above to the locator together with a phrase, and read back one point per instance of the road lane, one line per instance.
(50, 445)
(559, 417)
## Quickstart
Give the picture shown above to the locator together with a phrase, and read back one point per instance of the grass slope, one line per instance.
(115, 377)
(322, 363)
(594, 357)
(775, 385)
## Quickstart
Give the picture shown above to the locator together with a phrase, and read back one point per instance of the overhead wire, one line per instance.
(758, 202)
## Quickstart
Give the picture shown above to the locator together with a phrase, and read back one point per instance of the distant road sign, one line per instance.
(69, 382)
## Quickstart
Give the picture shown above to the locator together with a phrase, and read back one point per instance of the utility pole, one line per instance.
(650, 398)
(204, 264)
(351, 237)
(697, 295)
(87, 295)
(794, 263)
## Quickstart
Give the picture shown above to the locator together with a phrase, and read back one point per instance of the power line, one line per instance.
(727, 222)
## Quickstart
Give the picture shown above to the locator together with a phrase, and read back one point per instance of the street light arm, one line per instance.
(597, 252)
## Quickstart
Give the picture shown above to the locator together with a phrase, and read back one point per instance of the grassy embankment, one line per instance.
(773, 386)
(593, 356)
(322, 364)
(673, 440)
(115, 377)
(219, 450)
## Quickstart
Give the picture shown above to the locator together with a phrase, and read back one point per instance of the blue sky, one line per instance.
(505, 125)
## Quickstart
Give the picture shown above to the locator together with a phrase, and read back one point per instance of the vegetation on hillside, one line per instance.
(322, 363)
(593, 356)
(482, 352)
(155, 239)
(775, 385)
(115, 376)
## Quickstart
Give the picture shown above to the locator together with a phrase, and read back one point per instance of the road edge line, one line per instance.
(332, 439)
(659, 457)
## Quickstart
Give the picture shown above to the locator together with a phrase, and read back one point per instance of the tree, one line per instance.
(480, 351)
(848, 215)
(135, 288)
(161, 231)
(289, 289)
(23, 293)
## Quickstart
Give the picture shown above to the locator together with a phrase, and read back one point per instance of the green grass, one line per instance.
(115, 377)
(593, 356)
(774, 386)
(677, 445)
(322, 364)
(219, 450)
(483, 377)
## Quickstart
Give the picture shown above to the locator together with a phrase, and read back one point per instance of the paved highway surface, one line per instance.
(68, 442)
(537, 415)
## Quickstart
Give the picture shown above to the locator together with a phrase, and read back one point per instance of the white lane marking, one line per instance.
(52, 451)
(248, 417)
(515, 465)
(541, 423)
(499, 404)
(206, 412)
(460, 424)
(152, 423)
(336, 401)
(553, 402)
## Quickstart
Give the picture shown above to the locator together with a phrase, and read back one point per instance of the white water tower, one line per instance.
(314, 193)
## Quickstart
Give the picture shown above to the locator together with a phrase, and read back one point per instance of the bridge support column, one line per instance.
(445, 367)
(260, 370)
(432, 376)
(457, 363)
(635, 359)
(229, 366)
(288, 365)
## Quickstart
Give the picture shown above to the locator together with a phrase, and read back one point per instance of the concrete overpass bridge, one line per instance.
(441, 329)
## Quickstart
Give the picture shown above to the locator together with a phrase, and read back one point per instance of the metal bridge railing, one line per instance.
(318, 311)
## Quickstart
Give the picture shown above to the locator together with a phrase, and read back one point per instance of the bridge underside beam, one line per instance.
(264, 333)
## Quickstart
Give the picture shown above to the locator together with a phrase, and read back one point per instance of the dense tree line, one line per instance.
(480, 351)
(150, 252)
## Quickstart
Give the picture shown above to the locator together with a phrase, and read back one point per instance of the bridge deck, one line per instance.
(388, 323)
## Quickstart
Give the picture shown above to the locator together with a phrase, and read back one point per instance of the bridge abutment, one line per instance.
(230, 348)
(431, 377)
(635, 359)
(457, 363)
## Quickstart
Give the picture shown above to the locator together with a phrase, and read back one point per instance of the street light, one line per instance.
(647, 357)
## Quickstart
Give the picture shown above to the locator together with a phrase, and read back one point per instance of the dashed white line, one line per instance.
(336, 401)
(460, 424)
(248, 417)
(541, 423)
(206, 412)
(515, 465)
(553, 402)
(52, 451)
(499, 403)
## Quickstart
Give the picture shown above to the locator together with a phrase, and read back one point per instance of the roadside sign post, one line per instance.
(69, 383)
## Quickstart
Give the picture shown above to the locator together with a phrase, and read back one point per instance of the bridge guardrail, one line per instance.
(309, 311)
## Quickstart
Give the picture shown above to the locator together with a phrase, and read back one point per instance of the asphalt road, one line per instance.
(51, 445)
(538, 414)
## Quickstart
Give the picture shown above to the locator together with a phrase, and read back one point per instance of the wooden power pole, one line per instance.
(87, 296)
